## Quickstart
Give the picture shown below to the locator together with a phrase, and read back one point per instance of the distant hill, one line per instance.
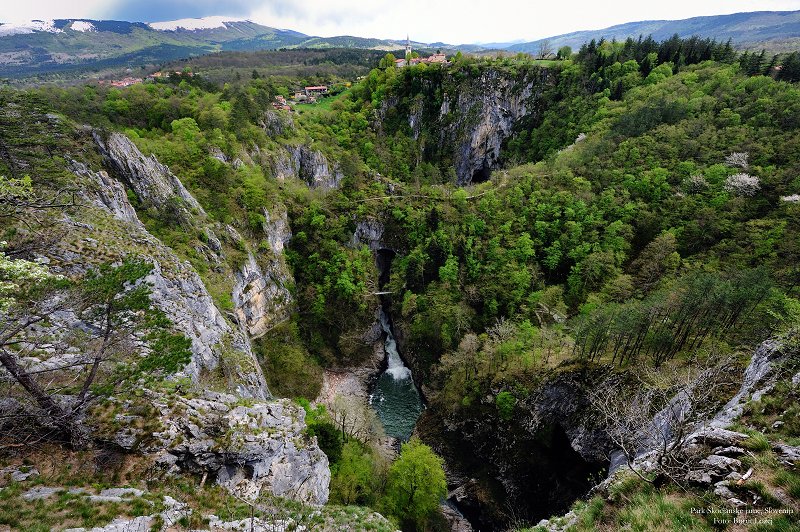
(67, 46)
(777, 31)
(52, 46)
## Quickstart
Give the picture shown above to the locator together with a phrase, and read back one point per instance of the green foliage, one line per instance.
(105, 289)
(415, 484)
(329, 439)
(169, 352)
(505, 402)
(289, 368)
(319, 424)
(359, 475)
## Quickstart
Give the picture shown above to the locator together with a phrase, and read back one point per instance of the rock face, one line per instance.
(467, 119)
(261, 295)
(369, 232)
(236, 434)
(247, 449)
(303, 162)
(541, 460)
(261, 298)
(502, 102)
(153, 183)
(277, 124)
(110, 193)
(758, 378)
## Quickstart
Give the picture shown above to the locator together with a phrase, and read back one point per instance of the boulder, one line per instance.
(720, 466)
(787, 454)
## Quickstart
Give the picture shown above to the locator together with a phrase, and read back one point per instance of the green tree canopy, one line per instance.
(416, 483)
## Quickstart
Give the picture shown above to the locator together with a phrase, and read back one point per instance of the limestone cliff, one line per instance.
(259, 286)
(267, 450)
(310, 165)
(153, 183)
(214, 415)
(176, 288)
(465, 119)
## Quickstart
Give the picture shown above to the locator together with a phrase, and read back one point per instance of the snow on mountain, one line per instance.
(192, 24)
(82, 25)
(28, 27)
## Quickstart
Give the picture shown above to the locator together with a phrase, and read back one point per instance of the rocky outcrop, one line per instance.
(303, 162)
(179, 292)
(276, 228)
(152, 182)
(247, 448)
(260, 288)
(277, 124)
(759, 378)
(261, 295)
(109, 193)
(368, 232)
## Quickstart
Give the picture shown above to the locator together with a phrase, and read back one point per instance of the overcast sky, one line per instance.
(425, 20)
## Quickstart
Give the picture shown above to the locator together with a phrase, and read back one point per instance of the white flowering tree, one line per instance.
(738, 160)
(696, 183)
(57, 368)
(743, 184)
(16, 276)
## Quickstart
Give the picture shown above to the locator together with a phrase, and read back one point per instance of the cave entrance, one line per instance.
(383, 260)
(535, 475)
(482, 174)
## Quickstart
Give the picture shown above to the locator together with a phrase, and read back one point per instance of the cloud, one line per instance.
(159, 10)
(339, 14)
(453, 21)
(14, 11)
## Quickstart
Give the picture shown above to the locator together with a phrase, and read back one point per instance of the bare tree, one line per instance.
(545, 49)
(356, 419)
(22, 205)
(656, 410)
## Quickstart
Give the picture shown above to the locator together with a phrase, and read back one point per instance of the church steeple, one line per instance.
(408, 48)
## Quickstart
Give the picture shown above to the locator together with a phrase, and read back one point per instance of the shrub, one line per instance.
(505, 402)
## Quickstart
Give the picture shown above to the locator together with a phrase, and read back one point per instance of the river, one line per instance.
(395, 397)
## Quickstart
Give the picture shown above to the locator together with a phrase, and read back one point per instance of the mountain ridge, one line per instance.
(40, 47)
(45, 46)
(749, 30)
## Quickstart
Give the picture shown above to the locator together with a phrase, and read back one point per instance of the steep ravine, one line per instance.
(531, 467)
(394, 395)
